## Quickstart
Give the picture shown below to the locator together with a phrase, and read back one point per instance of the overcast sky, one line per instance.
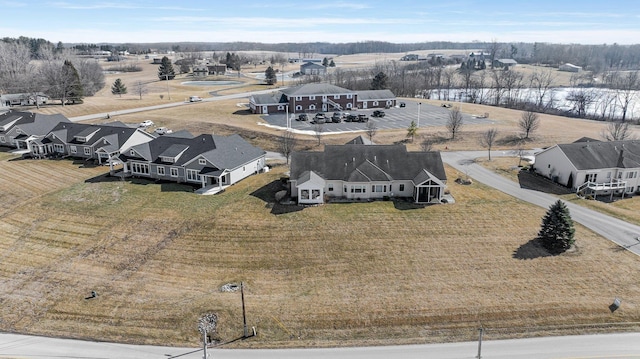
(399, 21)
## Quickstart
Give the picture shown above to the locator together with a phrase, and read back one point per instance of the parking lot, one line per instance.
(395, 118)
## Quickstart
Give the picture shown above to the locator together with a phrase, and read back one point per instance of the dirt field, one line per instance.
(340, 274)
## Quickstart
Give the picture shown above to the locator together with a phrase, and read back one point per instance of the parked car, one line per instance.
(351, 118)
(302, 117)
(363, 118)
(195, 99)
(319, 118)
(336, 117)
(402, 104)
(378, 113)
(163, 131)
(145, 124)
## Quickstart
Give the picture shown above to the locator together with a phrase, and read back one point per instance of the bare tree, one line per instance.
(455, 121)
(529, 122)
(626, 87)
(141, 89)
(488, 138)
(617, 131)
(581, 99)
(372, 129)
(288, 142)
(540, 81)
(426, 144)
(318, 128)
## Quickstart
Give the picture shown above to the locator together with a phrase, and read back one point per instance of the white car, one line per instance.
(195, 99)
(163, 131)
(145, 124)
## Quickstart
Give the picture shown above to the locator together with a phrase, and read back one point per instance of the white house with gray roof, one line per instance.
(593, 167)
(205, 160)
(19, 129)
(357, 171)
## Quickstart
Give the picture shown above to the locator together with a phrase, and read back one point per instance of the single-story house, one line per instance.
(205, 160)
(366, 172)
(23, 99)
(570, 68)
(312, 68)
(319, 97)
(504, 63)
(593, 167)
(98, 142)
(20, 129)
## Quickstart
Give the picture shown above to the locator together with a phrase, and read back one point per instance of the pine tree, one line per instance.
(165, 70)
(557, 231)
(118, 88)
(412, 130)
(73, 90)
(332, 64)
(325, 62)
(379, 82)
(270, 76)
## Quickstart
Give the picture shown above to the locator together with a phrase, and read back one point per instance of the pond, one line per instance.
(211, 83)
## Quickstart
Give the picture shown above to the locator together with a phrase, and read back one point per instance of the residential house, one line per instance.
(318, 97)
(23, 99)
(217, 69)
(205, 160)
(19, 129)
(593, 167)
(103, 143)
(504, 63)
(366, 172)
(312, 68)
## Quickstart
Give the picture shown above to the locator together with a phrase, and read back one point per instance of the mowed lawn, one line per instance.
(337, 274)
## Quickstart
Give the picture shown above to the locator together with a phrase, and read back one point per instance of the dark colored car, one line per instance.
(402, 104)
(378, 113)
(363, 118)
(302, 117)
(351, 118)
(336, 117)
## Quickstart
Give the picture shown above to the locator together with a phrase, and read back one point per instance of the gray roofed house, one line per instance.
(366, 172)
(21, 129)
(311, 68)
(360, 140)
(593, 167)
(211, 161)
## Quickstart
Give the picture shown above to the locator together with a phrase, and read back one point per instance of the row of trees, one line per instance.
(54, 72)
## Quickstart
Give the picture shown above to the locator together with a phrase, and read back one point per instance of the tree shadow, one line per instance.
(531, 250)
(267, 194)
(243, 112)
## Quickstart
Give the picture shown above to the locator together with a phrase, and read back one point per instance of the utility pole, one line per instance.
(419, 105)
(244, 313)
(204, 344)
(481, 330)
(166, 76)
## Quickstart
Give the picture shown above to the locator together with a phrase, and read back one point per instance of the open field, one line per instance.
(320, 276)
(339, 274)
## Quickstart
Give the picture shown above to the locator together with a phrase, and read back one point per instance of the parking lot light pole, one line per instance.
(419, 105)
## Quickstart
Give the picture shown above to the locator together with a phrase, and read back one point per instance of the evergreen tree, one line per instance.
(165, 70)
(270, 76)
(412, 130)
(332, 64)
(73, 90)
(557, 231)
(379, 82)
(118, 88)
(325, 62)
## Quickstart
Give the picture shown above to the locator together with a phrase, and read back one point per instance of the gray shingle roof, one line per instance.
(33, 123)
(315, 89)
(599, 155)
(232, 151)
(68, 131)
(364, 163)
(375, 95)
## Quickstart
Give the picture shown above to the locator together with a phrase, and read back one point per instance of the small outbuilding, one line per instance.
(570, 68)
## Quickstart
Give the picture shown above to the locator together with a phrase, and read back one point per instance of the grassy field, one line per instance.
(339, 274)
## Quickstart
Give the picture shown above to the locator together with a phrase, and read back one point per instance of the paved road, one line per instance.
(166, 105)
(623, 233)
(626, 345)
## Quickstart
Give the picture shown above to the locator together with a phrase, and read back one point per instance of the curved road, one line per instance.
(602, 346)
(625, 234)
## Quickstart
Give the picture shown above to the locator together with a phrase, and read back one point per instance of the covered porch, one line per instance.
(428, 188)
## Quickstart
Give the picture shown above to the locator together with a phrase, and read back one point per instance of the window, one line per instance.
(243, 169)
(608, 175)
(401, 187)
(2, 139)
(280, 107)
(330, 188)
(304, 194)
(298, 98)
(87, 151)
(358, 189)
(160, 171)
(140, 168)
(174, 172)
(202, 161)
(73, 149)
(298, 107)
(315, 193)
(349, 105)
(193, 175)
(58, 147)
(630, 189)
(312, 97)
(349, 96)
(375, 103)
(631, 175)
(380, 188)
(312, 107)
(336, 97)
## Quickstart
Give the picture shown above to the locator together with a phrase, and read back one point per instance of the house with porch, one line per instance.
(102, 143)
(366, 172)
(19, 129)
(205, 160)
(593, 168)
(318, 97)
(23, 99)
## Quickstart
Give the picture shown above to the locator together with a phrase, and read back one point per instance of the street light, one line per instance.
(419, 105)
